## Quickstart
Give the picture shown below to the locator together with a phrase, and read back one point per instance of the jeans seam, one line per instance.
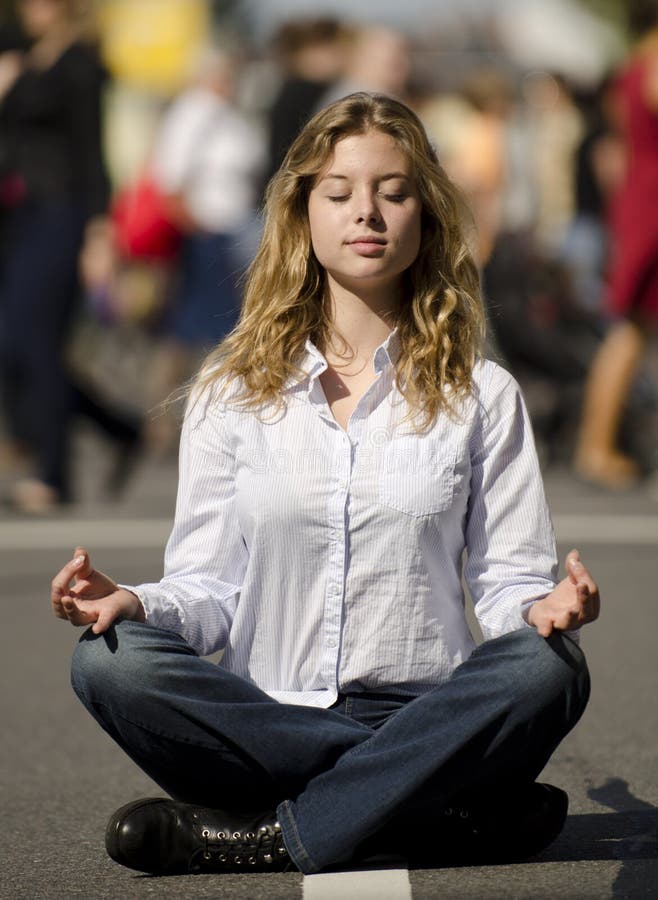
(294, 842)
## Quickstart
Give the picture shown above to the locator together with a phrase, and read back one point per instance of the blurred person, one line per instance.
(556, 127)
(54, 196)
(343, 450)
(597, 172)
(377, 59)
(470, 129)
(311, 54)
(633, 278)
(543, 335)
(208, 160)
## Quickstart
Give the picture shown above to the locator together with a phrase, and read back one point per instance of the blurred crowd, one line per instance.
(102, 321)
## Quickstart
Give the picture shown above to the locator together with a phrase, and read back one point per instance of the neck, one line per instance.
(360, 324)
(47, 50)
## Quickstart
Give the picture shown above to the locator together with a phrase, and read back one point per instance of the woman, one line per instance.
(341, 449)
(633, 279)
(50, 118)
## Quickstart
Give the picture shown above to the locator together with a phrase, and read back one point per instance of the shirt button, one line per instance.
(331, 643)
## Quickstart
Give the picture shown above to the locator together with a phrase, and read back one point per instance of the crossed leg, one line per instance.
(211, 738)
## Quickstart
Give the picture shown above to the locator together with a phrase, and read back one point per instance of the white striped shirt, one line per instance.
(326, 561)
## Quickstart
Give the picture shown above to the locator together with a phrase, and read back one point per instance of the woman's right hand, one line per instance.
(84, 596)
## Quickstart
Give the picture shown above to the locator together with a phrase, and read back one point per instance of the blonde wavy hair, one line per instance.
(439, 320)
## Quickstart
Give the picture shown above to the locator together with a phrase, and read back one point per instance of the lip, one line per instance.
(368, 239)
(367, 244)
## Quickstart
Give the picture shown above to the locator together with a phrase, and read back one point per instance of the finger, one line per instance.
(543, 624)
(582, 579)
(106, 617)
(591, 608)
(78, 615)
(574, 566)
(545, 628)
(60, 583)
(86, 568)
(59, 610)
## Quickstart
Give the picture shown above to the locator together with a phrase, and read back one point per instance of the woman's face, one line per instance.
(38, 17)
(365, 213)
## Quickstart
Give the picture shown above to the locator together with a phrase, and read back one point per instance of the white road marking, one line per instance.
(377, 884)
(607, 529)
(64, 534)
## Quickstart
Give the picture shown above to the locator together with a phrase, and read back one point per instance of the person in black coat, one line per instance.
(55, 194)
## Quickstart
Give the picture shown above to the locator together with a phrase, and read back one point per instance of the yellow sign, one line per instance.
(150, 44)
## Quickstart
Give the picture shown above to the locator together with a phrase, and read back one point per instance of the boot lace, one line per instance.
(242, 850)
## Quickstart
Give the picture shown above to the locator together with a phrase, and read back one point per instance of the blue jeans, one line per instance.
(336, 776)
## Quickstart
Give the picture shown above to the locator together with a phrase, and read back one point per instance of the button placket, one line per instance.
(336, 567)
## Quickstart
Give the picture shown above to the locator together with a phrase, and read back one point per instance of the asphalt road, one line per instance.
(61, 776)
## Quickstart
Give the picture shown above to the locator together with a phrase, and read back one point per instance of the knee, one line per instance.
(538, 672)
(570, 669)
(103, 664)
(554, 670)
(94, 662)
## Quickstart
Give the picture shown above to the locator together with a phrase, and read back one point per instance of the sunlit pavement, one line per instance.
(61, 776)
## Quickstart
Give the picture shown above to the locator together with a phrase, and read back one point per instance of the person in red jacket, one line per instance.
(633, 277)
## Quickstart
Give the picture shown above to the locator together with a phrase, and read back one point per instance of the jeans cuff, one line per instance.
(293, 841)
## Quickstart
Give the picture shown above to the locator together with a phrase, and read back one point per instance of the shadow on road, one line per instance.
(618, 835)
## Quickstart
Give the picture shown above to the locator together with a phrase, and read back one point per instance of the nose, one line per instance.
(367, 211)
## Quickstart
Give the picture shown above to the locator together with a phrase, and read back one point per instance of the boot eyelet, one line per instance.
(205, 833)
(236, 835)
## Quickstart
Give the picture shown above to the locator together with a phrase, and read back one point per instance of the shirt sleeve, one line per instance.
(511, 553)
(206, 556)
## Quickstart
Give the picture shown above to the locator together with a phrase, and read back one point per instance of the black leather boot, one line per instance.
(162, 836)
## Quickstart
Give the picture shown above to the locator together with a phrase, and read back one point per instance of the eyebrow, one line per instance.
(388, 177)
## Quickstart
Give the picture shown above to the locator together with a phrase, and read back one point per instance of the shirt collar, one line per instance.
(313, 363)
(386, 355)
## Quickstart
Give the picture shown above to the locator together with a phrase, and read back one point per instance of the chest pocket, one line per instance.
(416, 480)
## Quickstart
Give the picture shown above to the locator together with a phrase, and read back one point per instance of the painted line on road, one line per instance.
(151, 534)
(59, 534)
(606, 529)
(376, 884)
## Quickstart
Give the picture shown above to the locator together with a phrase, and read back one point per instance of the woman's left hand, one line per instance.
(574, 602)
(11, 66)
(98, 257)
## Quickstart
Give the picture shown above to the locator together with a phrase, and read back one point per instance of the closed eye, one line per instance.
(394, 198)
(340, 199)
